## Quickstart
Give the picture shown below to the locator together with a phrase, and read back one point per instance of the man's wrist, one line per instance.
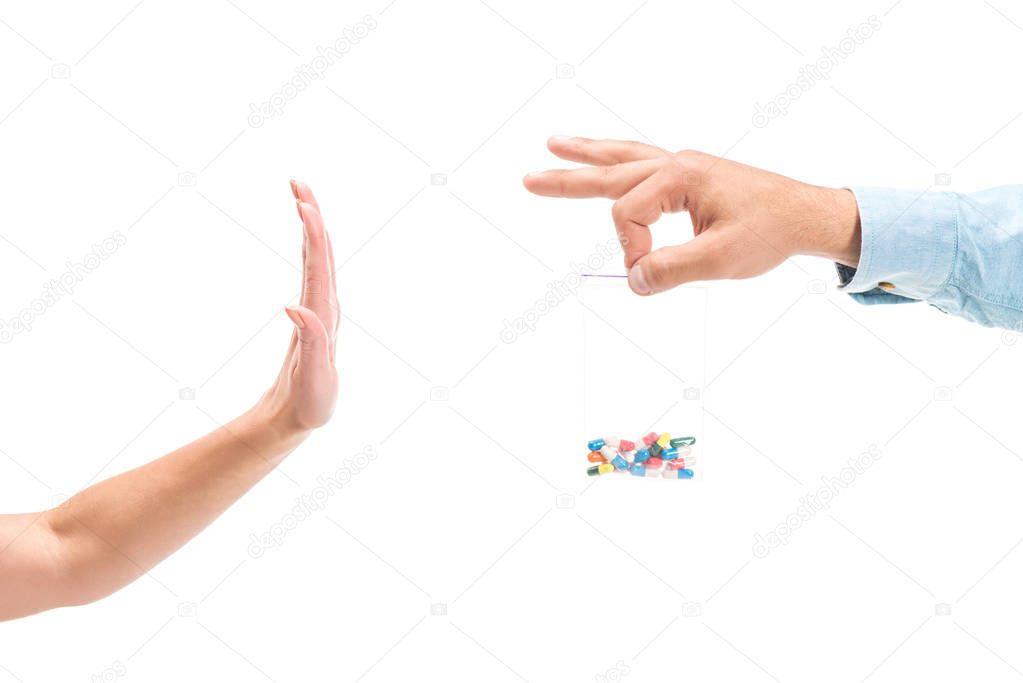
(837, 236)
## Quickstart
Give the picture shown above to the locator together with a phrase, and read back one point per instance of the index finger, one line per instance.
(640, 208)
(592, 181)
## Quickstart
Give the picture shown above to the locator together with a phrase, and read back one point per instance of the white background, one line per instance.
(461, 509)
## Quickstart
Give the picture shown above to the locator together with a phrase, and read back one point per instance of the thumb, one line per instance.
(312, 338)
(705, 257)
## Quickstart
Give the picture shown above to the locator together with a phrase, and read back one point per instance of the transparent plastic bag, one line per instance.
(644, 363)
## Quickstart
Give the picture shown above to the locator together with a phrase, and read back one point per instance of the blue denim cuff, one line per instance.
(908, 245)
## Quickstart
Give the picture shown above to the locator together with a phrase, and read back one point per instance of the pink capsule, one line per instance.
(626, 445)
(679, 464)
(650, 438)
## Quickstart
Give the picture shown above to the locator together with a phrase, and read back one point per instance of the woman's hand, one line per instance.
(113, 532)
(305, 392)
(746, 221)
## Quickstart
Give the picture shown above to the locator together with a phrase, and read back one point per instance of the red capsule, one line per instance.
(626, 445)
(677, 464)
(651, 438)
(653, 462)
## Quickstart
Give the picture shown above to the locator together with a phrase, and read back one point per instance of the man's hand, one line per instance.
(745, 221)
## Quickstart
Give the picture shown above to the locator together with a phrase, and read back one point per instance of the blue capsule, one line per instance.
(596, 444)
(641, 471)
(678, 474)
(642, 456)
(669, 454)
(620, 463)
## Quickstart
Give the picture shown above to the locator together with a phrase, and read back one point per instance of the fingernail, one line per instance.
(294, 188)
(637, 280)
(296, 317)
(298, 207)
(561, 138)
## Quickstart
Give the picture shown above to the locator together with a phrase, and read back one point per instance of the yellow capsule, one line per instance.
(665, 440)
(604, 468)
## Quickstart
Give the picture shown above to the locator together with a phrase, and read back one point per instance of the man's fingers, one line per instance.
(708, 256)
(596, 181)
(602, 152)
(639, 208)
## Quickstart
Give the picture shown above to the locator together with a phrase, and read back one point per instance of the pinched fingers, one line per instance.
(663, 192)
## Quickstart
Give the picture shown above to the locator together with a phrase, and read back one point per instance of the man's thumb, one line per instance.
(701, 258)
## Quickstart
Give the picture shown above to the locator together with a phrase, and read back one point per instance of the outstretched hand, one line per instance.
(305, 392)
(746, 221)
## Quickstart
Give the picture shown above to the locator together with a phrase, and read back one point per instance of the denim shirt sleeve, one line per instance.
(962, 253)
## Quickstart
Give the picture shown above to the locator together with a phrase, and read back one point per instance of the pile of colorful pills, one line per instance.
(655, 455)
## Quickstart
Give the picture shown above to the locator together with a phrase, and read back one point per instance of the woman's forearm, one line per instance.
(112, 533)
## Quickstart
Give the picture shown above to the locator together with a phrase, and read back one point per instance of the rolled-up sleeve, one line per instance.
(962, 253)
